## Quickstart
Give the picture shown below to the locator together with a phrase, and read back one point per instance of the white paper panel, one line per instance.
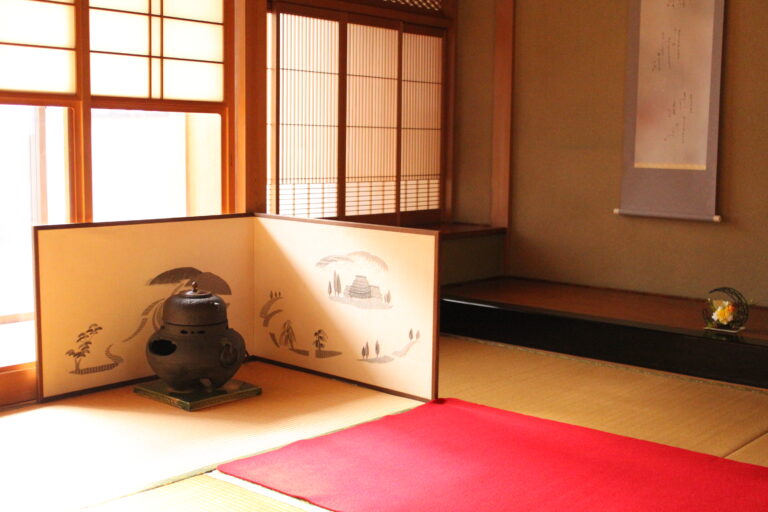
(356, 302)
(119, 32)
(192, 40)
(372, 51)
(44, 24)
(309, 99)
(317, 159)
(156, 27)
(309, 44)
(422, 58)
(371, 154)
(119, 75)
(421, 153)
(37, 69)
(371, 102)
(193, 80)
(121, 5)
(421, 105)
(156, 78)
(205, 10)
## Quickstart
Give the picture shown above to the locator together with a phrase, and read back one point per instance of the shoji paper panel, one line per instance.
(372, 68)
(308, 101)
(119, 32)
(122, 5)
(421, 121)
(182, 42)
(204, 10)
(45, 69)
(349, 300)
(37, 23)
(37, 41)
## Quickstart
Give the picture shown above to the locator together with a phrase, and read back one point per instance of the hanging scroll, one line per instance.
(672, 105)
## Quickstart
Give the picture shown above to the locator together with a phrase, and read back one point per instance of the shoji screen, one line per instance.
(170, 49)
(356, 109)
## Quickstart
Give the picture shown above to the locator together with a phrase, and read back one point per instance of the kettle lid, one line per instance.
(194, 307)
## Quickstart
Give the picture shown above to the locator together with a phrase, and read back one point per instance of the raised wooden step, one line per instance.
(663, 333)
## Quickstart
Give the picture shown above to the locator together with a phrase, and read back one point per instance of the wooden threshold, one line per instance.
(18, 383)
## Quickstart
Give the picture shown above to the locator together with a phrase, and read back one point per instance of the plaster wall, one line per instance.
(570, 60)
(473, 116)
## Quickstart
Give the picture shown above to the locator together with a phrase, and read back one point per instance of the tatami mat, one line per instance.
(699, 415)
(200, 493)
(96, 447)
(755, 452)
(84, 450)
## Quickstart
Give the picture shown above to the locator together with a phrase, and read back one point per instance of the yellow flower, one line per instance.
(723, 314)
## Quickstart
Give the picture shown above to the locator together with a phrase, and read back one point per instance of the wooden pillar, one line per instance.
(251, 104)
(501, 152)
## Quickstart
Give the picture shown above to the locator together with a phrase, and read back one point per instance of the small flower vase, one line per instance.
(727, 311)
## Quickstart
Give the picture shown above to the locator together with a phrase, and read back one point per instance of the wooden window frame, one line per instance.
(17, 381)
(82, 102)
(405, 20)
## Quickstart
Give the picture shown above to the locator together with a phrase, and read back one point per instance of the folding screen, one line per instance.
(350, 301)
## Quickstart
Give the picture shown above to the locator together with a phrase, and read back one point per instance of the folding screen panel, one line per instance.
(350, 300)
(101, 289)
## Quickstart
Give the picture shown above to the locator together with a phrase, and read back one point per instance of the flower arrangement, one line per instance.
(722, 313)
(728, 314)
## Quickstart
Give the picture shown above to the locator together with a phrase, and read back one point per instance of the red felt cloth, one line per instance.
(452, 456)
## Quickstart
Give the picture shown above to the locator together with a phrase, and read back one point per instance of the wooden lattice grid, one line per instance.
(429, 5)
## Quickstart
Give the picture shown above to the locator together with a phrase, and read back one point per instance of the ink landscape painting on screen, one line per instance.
(357, 302)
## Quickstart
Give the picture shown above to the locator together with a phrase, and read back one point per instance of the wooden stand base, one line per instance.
(192, 401)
